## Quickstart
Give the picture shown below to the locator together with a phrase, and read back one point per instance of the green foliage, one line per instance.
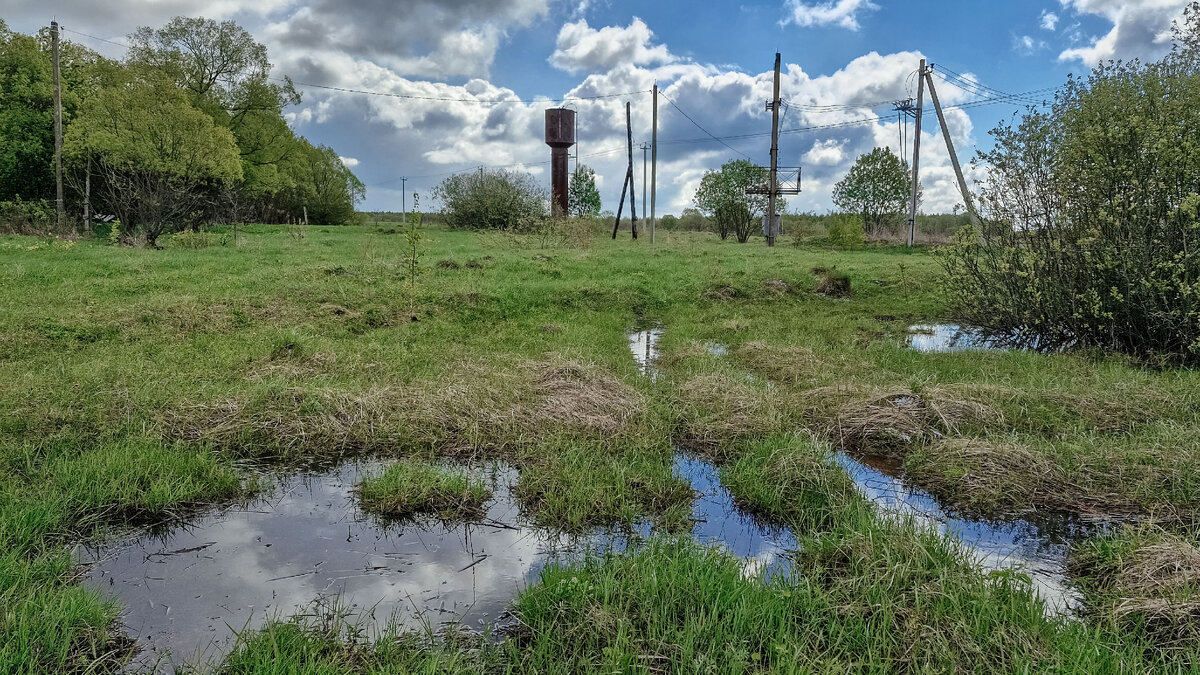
(1093, 223)
(492, 200)
(668, 222)
(722, 194)
(846, 230)
(877, 186)
(27, 217)
(160, 160)
(583, 199)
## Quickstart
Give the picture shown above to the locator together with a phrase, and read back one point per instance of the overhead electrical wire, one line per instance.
(697, 124)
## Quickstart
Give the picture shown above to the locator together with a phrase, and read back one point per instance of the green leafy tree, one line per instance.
(722, 195)
(583, 199)
(1092, 214)
(160, 161)
(492, 200)
(877, 187)
(227, 74)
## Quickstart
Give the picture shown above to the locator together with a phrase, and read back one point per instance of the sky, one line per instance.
(458, 84)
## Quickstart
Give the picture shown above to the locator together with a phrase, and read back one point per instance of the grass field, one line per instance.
(140, 385)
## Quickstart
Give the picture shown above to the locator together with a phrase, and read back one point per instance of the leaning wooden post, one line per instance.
(916, 166)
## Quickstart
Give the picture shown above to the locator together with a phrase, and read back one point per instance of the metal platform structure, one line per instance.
(787, 182)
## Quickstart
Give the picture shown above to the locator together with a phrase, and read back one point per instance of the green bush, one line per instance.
(846, 230)
(27, 217)
(492, 200)
(1092, 227)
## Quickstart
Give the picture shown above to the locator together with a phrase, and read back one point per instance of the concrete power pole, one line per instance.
(916, 165)
(404, 195)
(58, 133)
(773, 186)
(653, 163)
(962, 183)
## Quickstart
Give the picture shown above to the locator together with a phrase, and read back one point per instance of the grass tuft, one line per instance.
(410, 488)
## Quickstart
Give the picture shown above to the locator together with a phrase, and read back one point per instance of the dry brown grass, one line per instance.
(584, 398)
(718, 410)
(789, 365)
(888, 421)
(1147, 581)
(475, 409)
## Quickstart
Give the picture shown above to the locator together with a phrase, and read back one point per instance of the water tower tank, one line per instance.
(560, 135)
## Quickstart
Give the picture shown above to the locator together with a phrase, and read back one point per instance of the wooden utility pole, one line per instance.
(628, 186)
(916, 164)
(773, 187)
(644, 147)
(58, 133)
(653, 163)
(962, 183)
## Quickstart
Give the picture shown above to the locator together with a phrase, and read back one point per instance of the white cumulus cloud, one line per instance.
(842, 13)
(1140, 29)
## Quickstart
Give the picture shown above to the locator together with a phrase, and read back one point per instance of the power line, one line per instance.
(461, 100)
(689, 118)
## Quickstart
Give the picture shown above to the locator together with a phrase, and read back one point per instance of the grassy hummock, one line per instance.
(410, 488)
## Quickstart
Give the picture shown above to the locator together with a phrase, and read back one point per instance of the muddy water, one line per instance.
(1038, 550)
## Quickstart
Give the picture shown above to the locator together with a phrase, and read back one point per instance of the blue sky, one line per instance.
(711, 59)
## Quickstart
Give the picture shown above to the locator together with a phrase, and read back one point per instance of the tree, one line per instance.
(722, 195)
(877, 187)
(583, 199)
(161, 162)
(324, 186)
(491, 200)
(691, 219)
(227, 74)
(1092, 214)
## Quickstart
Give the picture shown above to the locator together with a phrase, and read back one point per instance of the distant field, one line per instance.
(141, 386)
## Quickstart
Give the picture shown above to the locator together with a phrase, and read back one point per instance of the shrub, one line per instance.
(491, 200)
(27, 217)
(1092, 221)
(846, 230)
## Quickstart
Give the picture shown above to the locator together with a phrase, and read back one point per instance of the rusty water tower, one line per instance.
(560, 135)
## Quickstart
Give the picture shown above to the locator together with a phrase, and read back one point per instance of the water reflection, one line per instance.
(719, 521)
(1038, 550)
(948, 337)
(644, 345)
(186, 591)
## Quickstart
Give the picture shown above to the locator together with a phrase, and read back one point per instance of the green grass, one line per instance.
(410, 488)
(137, 382)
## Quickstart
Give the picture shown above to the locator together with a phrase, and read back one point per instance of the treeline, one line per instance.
(187, 130)
(937, 227)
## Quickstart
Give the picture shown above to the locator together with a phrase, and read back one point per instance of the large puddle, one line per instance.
(187, 589)
(1037, 550)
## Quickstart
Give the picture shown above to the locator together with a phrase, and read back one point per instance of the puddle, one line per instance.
(948, 337)
(1038, 550)
(644, 345)
(718, 521)
(716, 348)
(186, 590)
